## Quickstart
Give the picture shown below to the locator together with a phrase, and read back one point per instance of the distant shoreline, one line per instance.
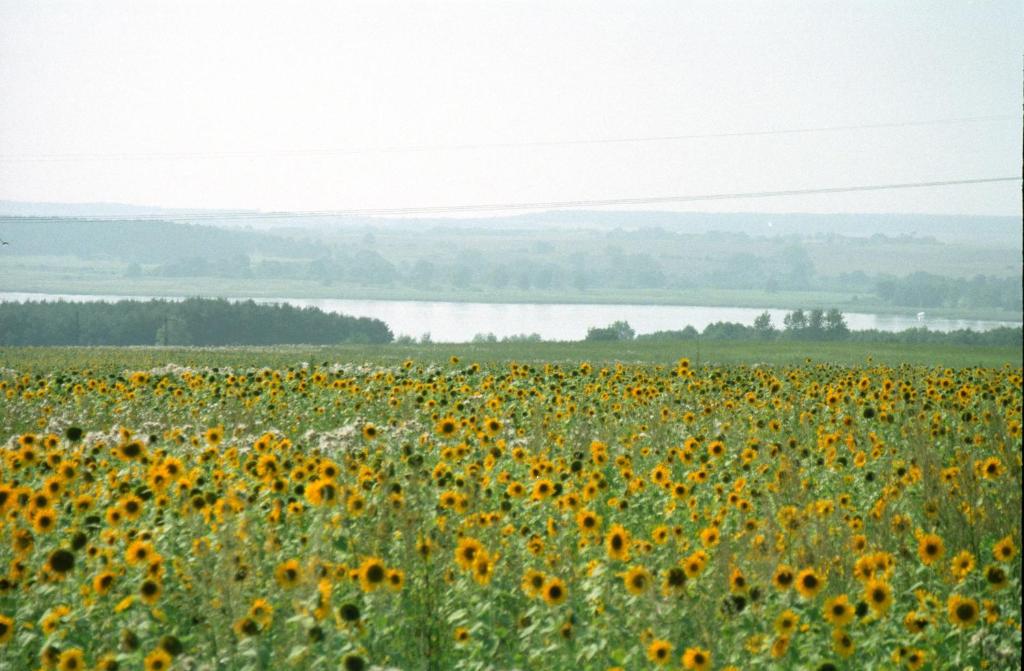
(298, 290)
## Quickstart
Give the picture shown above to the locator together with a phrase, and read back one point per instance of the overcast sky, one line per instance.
(314, 105)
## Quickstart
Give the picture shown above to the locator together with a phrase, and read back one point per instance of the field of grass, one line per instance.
(71, 276)
(41, 359)
(445, 507)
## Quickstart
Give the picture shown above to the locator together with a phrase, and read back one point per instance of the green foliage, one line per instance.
(196, 321)
(617, 331)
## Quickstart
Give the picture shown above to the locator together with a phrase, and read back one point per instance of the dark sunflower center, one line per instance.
(62, 561)
(965, 612)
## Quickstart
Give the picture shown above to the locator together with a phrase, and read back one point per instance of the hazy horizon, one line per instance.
(271, 106)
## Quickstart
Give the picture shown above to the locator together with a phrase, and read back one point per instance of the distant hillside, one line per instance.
(143, 241)
(999, 231)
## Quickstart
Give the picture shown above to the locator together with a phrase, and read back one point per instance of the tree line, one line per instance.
(813, 325)
(192, 322)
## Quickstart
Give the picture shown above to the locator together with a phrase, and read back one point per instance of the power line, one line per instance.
(547, 205)
(395, 149)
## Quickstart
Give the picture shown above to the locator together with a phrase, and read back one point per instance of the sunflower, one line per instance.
(353, 663)
(172, 645)
(108, 663)
(675, 580)
(150, 591)
(49, 656)
(542, 489)
(1004, 550)
(356, 504)
(131, 506)
(533, 581)
(466, 552)
(322, 492)
(878, 595)
(659, 651)
(588, 521)
(963, 612)
(838, 611)
(6, 628)
(695, 563)
(737, 582)
(44, 520)
(261, 612)
(492, 426)
(245, 627)
(636, 580)
(71, 660)
(697, 659)
(349, 612)
(447, 426)
(915, 659)
(710, 537)
(996, 577)
(617, 543)
(842, 643)
(915, 622)
(102, 583)
(372, 574)
(786, 623)
(157, 660)
(396, 580)
(483, 568)
(214, 436)
(60, 561)
(780, 646)
(131, 451)
(809, 583)
(288, 574)
(554, 591)
(139, 552)
(962, 564)
(930, 548)
(369, 431)
(783, 578)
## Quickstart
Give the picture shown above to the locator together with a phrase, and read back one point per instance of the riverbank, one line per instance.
(215, 287)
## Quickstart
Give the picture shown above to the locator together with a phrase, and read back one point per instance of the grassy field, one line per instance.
(71, 276)
(711, 353)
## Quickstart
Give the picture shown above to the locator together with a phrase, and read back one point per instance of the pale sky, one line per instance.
(288, 105)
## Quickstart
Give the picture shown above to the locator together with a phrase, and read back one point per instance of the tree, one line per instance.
(835, 325)
(816, 323)
(616, 331)
(795, 321)
(173, 331)
(763, 326)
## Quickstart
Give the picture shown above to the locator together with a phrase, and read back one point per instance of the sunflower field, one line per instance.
(511, 516)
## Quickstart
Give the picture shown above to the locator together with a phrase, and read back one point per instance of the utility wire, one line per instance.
(542, 205)
(396, 149)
